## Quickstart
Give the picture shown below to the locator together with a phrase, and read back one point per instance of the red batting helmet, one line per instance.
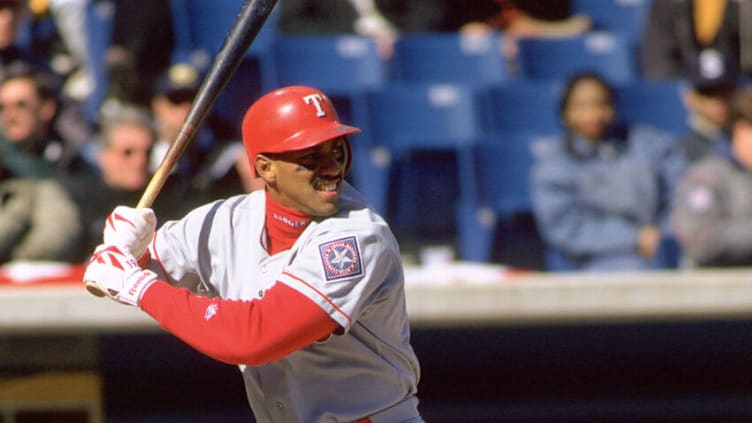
(290, 119)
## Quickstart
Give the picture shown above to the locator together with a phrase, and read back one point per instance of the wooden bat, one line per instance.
(244, 30)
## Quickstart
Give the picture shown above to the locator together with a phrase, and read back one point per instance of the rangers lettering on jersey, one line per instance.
(316, 100)
(341, 258)
(290, 222)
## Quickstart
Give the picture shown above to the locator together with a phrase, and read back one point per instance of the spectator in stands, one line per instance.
(677, 31)
(173, 96)
(212, 165)
(38, 220)
(712, 78)
(527, 19)
(29, 143)
(517, 19)
(601, 193)
(13, 15)
(142, 42)
(125, 142)
(226, 172)
(73, 61)
(381, 20)
(713, 207)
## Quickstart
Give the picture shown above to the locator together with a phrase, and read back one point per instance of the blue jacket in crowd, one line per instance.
(591, 199)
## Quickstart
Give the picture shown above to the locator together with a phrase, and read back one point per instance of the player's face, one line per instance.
(310, 180)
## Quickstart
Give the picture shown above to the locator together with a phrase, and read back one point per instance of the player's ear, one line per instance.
(264, 167)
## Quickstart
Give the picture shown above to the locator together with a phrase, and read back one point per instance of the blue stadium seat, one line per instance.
(336, 63)
(99, 22)
(622, 16)
(655, 103)
(343, 66)
(407, 118)
(438, 57)
(497, 188)
(200, 28)
(523, 105)
(423, 115)
(608, 53)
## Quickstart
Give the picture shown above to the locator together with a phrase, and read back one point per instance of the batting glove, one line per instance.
(117, 274)
(131, 229)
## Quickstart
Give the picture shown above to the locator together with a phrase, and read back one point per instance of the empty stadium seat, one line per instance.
(99, 22)
(655, 103)
(343, 66)
(200, 28)
(622, 16)
(496, 189)
(608, 53)
(438, 57)
(407, 118)
(523, 105)
(336, 63)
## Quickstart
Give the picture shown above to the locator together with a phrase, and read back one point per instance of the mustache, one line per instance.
(331, 178)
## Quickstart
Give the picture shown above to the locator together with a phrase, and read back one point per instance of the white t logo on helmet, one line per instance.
(316, 100)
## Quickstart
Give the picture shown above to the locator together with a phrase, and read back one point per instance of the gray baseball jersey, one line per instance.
(349, 265)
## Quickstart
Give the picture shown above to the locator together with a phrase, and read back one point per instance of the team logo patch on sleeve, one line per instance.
(341, 258)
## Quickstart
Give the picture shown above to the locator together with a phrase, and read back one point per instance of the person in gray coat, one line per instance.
(38, 221)
(712, 214)
(601, 193)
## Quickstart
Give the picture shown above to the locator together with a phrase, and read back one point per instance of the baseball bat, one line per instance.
(244, 30)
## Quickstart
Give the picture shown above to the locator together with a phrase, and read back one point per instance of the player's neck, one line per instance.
(283, 225)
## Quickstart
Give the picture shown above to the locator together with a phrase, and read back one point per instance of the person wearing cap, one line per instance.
(173, 94)
(214, 165)
(299, 284)
(713, 207)
(120, 154)
(676, 31)
(711, 79)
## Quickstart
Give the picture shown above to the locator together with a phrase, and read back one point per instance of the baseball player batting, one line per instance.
(299, 284)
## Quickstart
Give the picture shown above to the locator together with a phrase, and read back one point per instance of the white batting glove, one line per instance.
(131, 229)
(117, 274)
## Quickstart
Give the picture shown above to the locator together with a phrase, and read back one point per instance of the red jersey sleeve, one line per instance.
(250, 332)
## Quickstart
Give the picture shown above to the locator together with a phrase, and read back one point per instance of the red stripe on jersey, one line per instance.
(251, 332)
(325, 297)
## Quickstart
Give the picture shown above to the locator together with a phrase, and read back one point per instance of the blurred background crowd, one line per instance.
(550, 135)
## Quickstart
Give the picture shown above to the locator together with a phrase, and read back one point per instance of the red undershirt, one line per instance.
(251, 332)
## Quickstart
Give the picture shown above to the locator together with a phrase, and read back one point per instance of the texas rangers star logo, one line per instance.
(341, 258)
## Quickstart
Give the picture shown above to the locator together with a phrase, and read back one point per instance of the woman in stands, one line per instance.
(601, 193)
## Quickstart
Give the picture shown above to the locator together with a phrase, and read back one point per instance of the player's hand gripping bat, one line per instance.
(244, 30)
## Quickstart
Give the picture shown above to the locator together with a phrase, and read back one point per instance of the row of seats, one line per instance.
(450, 96)
(490, 133)
(346, 63)
(343, 64)
(446, 96)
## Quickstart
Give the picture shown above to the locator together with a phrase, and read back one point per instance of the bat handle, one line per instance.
(94, 289)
